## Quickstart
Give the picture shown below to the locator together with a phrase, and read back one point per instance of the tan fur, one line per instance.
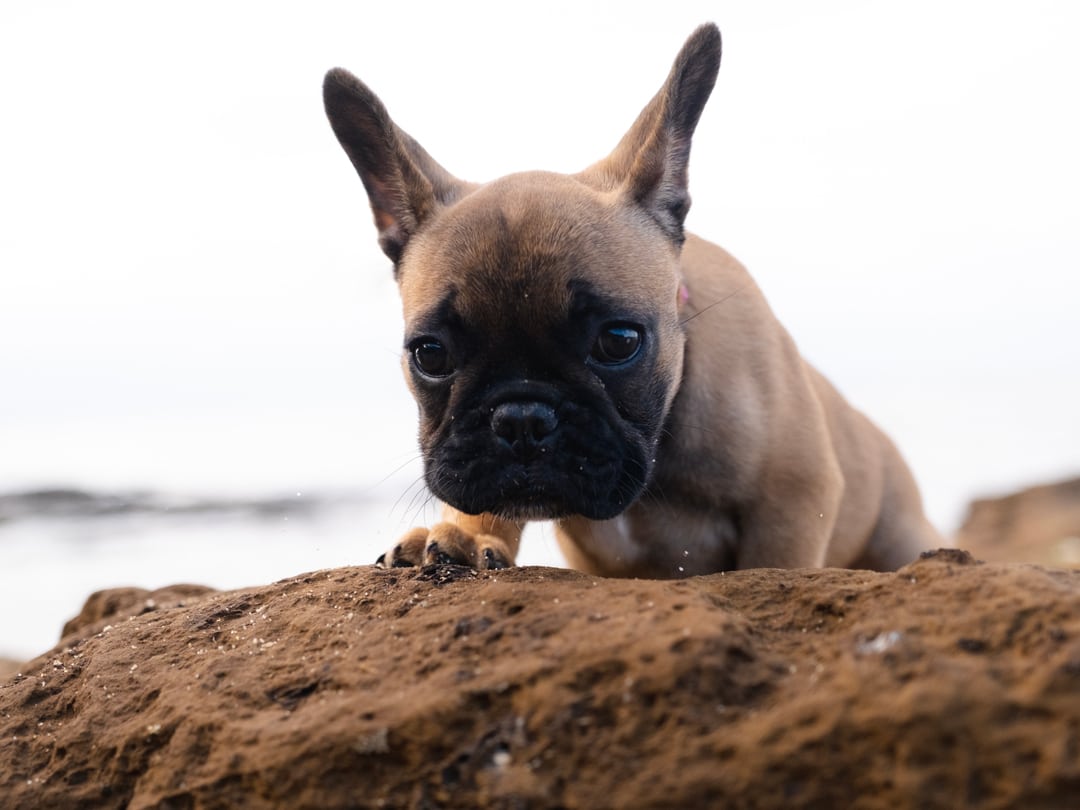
(760, 462)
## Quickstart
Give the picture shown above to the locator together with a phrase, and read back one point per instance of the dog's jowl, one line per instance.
(578, 357)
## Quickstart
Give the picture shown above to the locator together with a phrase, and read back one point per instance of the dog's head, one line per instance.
(542, 334)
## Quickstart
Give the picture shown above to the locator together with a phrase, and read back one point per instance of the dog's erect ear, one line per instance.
(405, 185)
(650, 162)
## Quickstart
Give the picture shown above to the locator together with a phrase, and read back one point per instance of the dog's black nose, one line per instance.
(523, 425)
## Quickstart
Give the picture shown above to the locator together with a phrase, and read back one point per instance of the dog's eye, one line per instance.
(431, 357)
(617, 343)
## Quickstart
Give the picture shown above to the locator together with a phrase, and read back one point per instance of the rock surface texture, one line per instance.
(946, 684)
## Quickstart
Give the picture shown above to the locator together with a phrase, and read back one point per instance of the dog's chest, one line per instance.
(659, 539)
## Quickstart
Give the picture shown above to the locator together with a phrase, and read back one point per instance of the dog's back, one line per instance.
(766, 410)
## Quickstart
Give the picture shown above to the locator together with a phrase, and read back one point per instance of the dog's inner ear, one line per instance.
(650, 162)
(404, 183)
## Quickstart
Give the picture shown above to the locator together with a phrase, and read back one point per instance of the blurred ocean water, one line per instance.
(61, 545)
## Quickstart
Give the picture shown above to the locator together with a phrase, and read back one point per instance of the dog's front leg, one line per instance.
(793, 526)
(484, 542)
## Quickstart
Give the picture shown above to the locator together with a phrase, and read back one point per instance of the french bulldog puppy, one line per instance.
(577, 357)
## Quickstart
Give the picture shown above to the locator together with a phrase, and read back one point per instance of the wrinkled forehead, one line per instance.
(526, 247)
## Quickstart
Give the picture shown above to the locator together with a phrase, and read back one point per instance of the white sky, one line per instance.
(191, 294)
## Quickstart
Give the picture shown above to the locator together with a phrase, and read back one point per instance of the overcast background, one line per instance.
(192, 300)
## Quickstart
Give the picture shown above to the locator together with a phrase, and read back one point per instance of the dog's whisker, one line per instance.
(700, 428)
(702, 311)
(414, 482)
(419, 504)
(396, 470)
(418, 489)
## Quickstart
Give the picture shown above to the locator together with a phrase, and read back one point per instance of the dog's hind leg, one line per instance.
(902, 531)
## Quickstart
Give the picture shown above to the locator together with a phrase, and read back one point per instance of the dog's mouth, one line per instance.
(530, 494)
(531, 461)
(543, 494)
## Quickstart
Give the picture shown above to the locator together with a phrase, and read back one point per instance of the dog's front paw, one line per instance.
(447, 544)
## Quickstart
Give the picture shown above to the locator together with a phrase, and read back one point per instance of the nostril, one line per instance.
(524, 422)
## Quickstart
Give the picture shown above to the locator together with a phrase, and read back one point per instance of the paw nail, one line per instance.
(438, 556)
(381, 562)
(493, 562)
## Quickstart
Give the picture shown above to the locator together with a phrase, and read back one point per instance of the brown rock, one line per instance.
(947, 684)
(117, 604)
(9, 666)
(1039, 525)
